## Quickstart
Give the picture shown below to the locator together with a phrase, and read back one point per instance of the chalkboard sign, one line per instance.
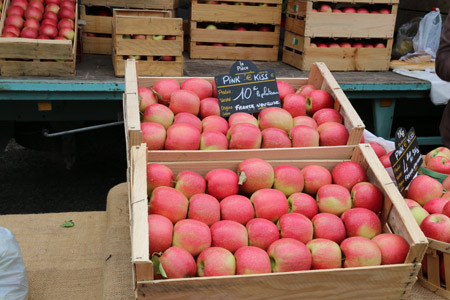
(246, 89)
(406, 159)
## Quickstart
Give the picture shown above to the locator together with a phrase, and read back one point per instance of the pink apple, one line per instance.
(255, 174)
(54, 9)
(269, 204)
(154, 135)
(37, 4)
(192, 235)
(411, 203)
(325, 8)
(295, 104)
(21, 3)
(374, 12)
(178, 263)
(333, 45)
(204, 208)
(262, 233)
(368, 46)
(160, 231)
(322, 45)
(329, 226)
(446, 183)
(357, 45)
(435, 205)
(362, 10)
(33, 13)
(275, 138)
(199, 86)
(275, 117)
(12, 29)
(318, 99)
(296, 226)
(379, 150)
(336, 11)
(332, 134)
(284, 89)
(252, 260)
(360, 252)
(446, 210)
(303, 204)
(244, 136)
(9, 34)
(66, 12)
(327, 115)
(419, 213)
(237, 208)
(14, 20)
(188, 118)
(216, 261)
(304, 136)
(182, 137)
(334, 199)
(385, 159)
(439, 164)
(437, 226)
(158, 113)
(190, 183)
(241, 117)
(49, 30)
(348, 173)
(68, 4)
(145, 95)
(209, 107)
(184, 101)
(423, 188)
(28, 32)
(174, 210)
(49, 21)
(15, 10)
(349, 10)
(394, 248)
(158, 175)
(222, 183)
(33, 23)
(440, 151)
(385, 11)
(215, 123)
(289, 255)
(346, 45)
(306, 90)
(361, 222)
(305, 120)
(379, 45)
(315, 177)
(325, 254)
(288, 179)
(213, 140)
(229, 235)
(367, 195)
(164, 89)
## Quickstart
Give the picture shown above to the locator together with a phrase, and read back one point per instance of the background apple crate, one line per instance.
(22, 56)
(320, 77)
(147, 22)
(378, 282)
(147, 4)
(250, 44)
(304, 26)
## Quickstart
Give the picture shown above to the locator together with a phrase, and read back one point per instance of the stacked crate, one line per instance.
(159, 48)
(98, 17)
(235, 30)
(307, 28)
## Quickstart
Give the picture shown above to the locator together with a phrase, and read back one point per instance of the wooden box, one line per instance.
(378, 282)
(150, 51)
(22, 56)
(228, 43)
(101, 26)
(319, 76)
(147, 4)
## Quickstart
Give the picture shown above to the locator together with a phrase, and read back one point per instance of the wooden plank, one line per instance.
(148, 47)
(385, 282)
(131, 107)
(154, 4)
(37, 68)
(297, 7)
(235, 13)
(149, 68)
(295, 25)
(148, 25)
(95, 24)
(96, 45)
(294, 58)
(235, 53)
(141, 13)
(295, 41)
(235, 36)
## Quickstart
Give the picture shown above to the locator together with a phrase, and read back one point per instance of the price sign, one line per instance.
(246, 89)
(406, 158)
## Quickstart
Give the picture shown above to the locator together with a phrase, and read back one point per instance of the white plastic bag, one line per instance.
(428, 36)
(13, 276)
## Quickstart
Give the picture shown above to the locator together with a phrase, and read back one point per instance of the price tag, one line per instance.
(246, 89)
(406, 158)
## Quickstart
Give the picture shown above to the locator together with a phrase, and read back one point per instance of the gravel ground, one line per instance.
(33, 181)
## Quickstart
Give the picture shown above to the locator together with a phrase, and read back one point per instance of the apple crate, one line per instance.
(97, 32)
(302, 20)
(379, 282)
(34, 57)
(319, 76)
(297, 52)
(226, 42)
(149, 23)
(147, 4)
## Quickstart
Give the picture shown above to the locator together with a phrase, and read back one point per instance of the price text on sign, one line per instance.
(406, 158)
(246, 89)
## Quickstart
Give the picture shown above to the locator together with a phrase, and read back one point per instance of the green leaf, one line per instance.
(67, 224)
(157, 266)
(161, 271)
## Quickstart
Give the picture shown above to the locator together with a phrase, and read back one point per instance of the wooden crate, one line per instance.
(319, 76)
(298, 53)
(147, 22)
(250, 44)
(147, 4)
(99, 25)
(379, 282)
(21, 56)
(302, 20)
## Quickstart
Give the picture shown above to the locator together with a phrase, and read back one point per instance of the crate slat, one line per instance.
(233, 53)
(154, 4)
(148, 26)
(235, 36)
(148, 47)
(96, 45)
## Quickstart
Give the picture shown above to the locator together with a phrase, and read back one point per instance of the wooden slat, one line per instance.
(148, 47)
(150, 68)
(148, 26)
(36, 68)
(235, 36)
(236, 13)
(295, 25)
(131, 106)
(234, 53)
(97, 45)
(95, 24)
(295, 41)
(154, 4)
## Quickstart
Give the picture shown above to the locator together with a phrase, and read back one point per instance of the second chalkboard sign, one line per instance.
(246, 89)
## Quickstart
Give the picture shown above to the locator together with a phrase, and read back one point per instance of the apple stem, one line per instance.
(157, 94)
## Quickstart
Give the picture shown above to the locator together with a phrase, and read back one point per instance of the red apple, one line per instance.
(348, 173)
(361, 222)
(367, 195)
(325, 254)
(14, 20)
(325, 8)
(437, 226)
(21, 3)
(362, 10)
(288, 179)
(435, 205)
(237, 208)
(68, 4)
(11, 29)
(346, 45)
(54, 8)
(360, 252)
(216, 261)
(213, 140)
(164, 89)
(334, 199)
(385, 11)
(332, 134)
(322, 45)
(379, 150)
(304, 136)
(336, 10)
(190, 183)
(178, 263)
(28, 32)
(252, 260)
(174, 210)
(379, 45)
(269, 204)
(33, 13)
(289, 255)
(70, 24)
(37, 4)
(327, 115)
(255, 174)
(229, 235)
(440, 151)
(192, 235)
(303, 204)
(43, 37)
(48, 30)
(333, 45)
(296, 226)
(394, 248)
(329, 226)
(261, 233)
(50, 22)
(160, 114)
(184, 101)
(275, 138)
(204, 208)
(67, 33)
(154, 135)
(160, 231)
(275, 117)
(199, 86)
(241, 117)
(222, 183)
(15, 10)
(52, 1)
(33, 23)
(158, 175)
(306, 90)
(368, 46)
(65, 12)
(215, 123)
(439, 164)
(284, 89)
(423, 188)
(357, 45)
(295, 104)
(318, 99)
(349, 10)
(305, 120)
(187, 118)
(315, 177)
(209, 107)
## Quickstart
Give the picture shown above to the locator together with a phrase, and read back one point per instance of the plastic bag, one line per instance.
(13, 276)
(406, 33)
(428, 36)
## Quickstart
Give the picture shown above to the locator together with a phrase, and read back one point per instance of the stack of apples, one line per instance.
(262, 219)
(351, 10)
(347, 44)
(187, 117)
(41, 19)
(153, 37)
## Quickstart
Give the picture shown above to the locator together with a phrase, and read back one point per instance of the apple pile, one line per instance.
(355, 43)
(261, 219)
(153, 37)
(351, 10)
(187, 117)
(41, 19)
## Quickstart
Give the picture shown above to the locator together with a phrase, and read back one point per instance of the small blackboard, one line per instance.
(246, 89)
(406, 159)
